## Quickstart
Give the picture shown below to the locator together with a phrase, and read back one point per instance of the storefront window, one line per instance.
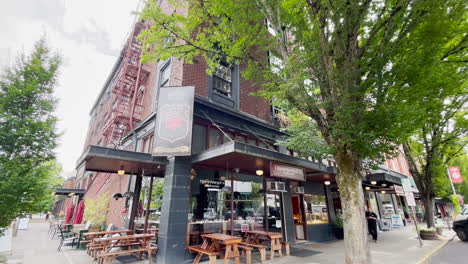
(211, 205)
(214, 138)
(199, 138)
(316, 209)
(387, 205)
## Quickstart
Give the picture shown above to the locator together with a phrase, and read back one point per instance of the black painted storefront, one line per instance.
(172, 236)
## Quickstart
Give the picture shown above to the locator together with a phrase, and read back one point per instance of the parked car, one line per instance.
(461, 225)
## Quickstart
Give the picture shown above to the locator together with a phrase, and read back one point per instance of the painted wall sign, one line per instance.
(455, 174)
(174, 118)
(287, 172)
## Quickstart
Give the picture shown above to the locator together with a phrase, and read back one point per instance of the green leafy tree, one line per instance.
(442, 137)
(27, 133)
(344, 64)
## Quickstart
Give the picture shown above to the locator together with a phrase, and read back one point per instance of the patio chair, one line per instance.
(66, 238)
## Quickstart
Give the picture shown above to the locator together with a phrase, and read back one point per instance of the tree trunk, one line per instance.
(428, 202)
(349, 180)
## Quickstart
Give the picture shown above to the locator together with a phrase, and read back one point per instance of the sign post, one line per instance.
(412, 205)
(174, 118)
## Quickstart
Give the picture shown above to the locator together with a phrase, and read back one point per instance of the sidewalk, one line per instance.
(397, 246)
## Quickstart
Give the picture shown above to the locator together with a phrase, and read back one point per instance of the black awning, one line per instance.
(383, 178)
(110, 160)
(250, 158)
(66, 191)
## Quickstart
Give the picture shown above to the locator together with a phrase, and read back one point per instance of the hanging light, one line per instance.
(71, 194)
(117, 196)
(382, 191)
(384, 184)
(367, 188)
(326, 182)
(259, 172)
(121, 171)
(128, 194)
(373, 182)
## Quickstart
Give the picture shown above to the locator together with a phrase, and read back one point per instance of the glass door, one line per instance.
(298, 216)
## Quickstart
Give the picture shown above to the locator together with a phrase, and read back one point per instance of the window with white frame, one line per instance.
(222, 80)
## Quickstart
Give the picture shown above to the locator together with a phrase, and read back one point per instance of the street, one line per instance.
(456, 251)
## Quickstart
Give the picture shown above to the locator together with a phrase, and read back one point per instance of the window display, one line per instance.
(316, 209)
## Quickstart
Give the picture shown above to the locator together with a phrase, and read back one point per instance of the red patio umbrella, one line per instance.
(69, 213)
(79, 213)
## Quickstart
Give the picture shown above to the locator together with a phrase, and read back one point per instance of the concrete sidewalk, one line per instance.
(397, 246)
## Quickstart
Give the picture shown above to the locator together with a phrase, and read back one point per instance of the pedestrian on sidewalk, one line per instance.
(47, 216)
(372, 223)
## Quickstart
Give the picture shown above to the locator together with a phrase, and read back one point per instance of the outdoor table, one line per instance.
(108, 242)
(274, 238)
(92, 235)
(213, 242)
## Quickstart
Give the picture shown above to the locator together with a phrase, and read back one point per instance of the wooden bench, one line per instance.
(211, 254)
(286, 247)
(93, 249)
(247, 252)
(106, 258)
(260, 247)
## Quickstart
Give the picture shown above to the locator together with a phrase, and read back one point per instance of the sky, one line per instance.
(88, 34)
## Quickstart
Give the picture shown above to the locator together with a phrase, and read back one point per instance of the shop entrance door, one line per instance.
(299, 217)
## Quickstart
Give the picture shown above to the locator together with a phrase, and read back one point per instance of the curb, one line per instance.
(432, 252)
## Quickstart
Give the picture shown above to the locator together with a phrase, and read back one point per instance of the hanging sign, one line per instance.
(399, 190)
(455, 174)
(410, 199)
(287, 172)
(174, 118)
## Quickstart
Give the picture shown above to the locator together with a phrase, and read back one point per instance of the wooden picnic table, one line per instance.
(255, 236)
(92, 235)
(141, 240)
(216, 242)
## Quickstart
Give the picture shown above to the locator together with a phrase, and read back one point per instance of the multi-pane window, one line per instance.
(222, 80)
(165, 75)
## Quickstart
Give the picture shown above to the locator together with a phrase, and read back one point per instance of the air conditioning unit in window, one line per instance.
(276, 186)
(298, 190)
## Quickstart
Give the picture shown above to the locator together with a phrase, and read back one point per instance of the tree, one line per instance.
(439, 140)
(27, 133)
(340, 63)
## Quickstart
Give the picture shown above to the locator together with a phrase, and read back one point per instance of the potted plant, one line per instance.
(428, 233)
(96, 211)
(338, 226)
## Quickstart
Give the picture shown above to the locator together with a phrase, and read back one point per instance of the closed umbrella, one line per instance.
(140, 209)
(69, 214)
(79, 213)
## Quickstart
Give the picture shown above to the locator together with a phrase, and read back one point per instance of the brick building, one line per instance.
(235, 178)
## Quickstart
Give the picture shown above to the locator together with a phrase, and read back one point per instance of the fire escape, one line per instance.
(127, 102)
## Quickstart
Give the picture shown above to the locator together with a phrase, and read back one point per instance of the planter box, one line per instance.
(339, 233)
(428, 235)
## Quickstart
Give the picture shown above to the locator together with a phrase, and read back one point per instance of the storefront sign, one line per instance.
(410, 199)
(173, 130)
(455, 174)
(399, 190)
(287, 172)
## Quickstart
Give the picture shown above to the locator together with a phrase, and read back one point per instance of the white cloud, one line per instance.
(88, 34)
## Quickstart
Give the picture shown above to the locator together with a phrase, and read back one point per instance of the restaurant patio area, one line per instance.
(35, 245)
